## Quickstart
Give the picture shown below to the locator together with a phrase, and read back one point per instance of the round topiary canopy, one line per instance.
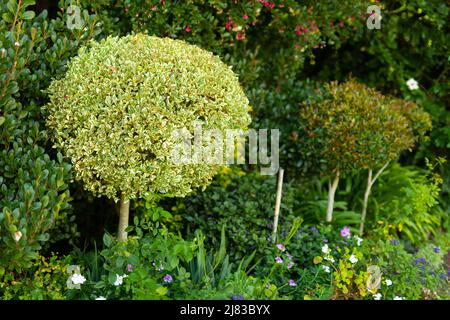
(114, 113)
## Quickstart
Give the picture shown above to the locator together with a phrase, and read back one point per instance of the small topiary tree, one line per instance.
(357, 128)
(114, 113)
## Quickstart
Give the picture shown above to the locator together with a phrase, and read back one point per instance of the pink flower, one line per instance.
(345, 232)
(292, 283)
(129, 267)
(281, 6)
(297, 46)
(187, 29)
(228, 25)
(281, 247)
(240, 36)
(245, 17)
(278, 260)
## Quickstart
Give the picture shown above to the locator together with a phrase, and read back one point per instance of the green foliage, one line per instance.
(244, 204)
(132, 93)
(414, 276)
(264, 41)
(407, 203)
(33, 186)
(44, 280)
(357, 127)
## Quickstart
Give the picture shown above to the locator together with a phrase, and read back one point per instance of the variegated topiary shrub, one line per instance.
(114, 113)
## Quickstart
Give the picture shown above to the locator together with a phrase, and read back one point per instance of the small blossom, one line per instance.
(278, 260)
(398, 298)
(119, 279)
(100, 298)
(17, 44)
(168, 278)
(17, 235)
(353, 259)
(292, 283)
(388, 282)
(412, 84)
(437, 250)
(395, 242)
(237, 297)
(290, 257)
(290, 265)
(245, 17)
(326, 269)
(377, 296)
(187, 29)
(269, 238)
(329, 258)
(325, 249)
(77, 278)
(129, 267)
(281, 247)
(358, 240)
(345, 232)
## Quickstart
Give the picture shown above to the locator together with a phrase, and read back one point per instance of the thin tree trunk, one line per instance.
(366, 200)
(370, 183)
(123, 218)
(331, 192)
(277, 204)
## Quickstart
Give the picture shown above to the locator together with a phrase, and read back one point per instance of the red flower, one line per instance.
(298, 30)
(228, 25)
(245, 17)
(187, 29)
(240, 36)
(297, 46)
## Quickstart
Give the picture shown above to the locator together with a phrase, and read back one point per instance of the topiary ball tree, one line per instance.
(354, 127)
(114, 113)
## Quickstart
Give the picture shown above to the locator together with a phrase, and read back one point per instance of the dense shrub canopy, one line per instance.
(115, 111)
(357, 127)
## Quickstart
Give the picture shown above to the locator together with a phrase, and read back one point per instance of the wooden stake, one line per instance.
(277, 204)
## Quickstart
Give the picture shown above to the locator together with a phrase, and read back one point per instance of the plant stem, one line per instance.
(370, 183)
(123, 218)
(331, 192)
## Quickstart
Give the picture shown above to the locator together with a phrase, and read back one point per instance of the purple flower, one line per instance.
(290, 257)
(345, 232)
(395, 242)
(314, 229)
(269, 238)
(437, 249)
(281, 247)
(420, 260)
(290, 265)
(129, 267)
(325, 240)
(278, 260)
(292, 283)
(168, 278)
(237, 297)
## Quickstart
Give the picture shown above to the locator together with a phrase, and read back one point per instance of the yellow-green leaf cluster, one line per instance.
(114, 113)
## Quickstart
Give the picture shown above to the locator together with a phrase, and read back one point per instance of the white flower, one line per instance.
(119, 279)
(325, 249)
(329, 258)
(326, 268)
(77, 278)
(398, 298)
(377, 296)
(100, 298)
(17, 235)
(388, 282)
(353, 259)
(17, 44)
(358, 240)
(412, 84)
